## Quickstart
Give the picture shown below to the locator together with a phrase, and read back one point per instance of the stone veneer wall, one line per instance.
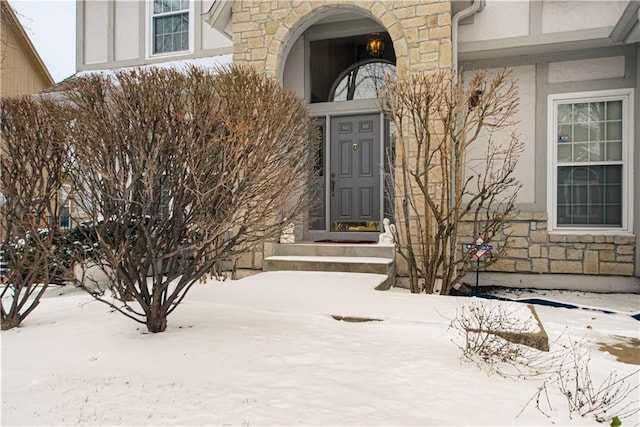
(420, 29)
(538, 251)
(263, 30)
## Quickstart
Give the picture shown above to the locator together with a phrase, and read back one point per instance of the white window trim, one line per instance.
(626, 95)
(149, 33)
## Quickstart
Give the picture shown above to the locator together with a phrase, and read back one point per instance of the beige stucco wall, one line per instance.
(127, 43)
(96, 26)
(505, 19)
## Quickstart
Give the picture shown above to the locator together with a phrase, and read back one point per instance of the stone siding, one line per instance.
(538, 251)
(420, 30)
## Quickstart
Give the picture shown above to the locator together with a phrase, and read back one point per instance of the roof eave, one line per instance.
(219, 17)
(627, 22)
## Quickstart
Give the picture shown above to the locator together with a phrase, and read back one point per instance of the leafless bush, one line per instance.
(33, 158)
(440, 184)
(492, 337)
(614, 397)
(177, 170)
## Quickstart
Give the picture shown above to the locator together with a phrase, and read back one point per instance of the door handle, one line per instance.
(333, 183)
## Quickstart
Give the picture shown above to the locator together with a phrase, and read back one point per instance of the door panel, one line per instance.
(355, 173)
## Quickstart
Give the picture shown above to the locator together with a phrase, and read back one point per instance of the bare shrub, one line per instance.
(177, 170)
(482, 326)
(487, 329)
(439, 184)
(33, 158)
(615, 397)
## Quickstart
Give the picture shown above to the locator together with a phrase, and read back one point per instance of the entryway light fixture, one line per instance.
(375, 45)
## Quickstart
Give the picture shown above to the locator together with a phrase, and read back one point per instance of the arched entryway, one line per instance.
(336, 65)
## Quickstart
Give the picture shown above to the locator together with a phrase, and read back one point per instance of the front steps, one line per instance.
(350, 258)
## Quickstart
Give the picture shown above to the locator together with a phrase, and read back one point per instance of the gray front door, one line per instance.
(355, 173)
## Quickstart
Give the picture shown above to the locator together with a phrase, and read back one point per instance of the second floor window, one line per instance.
(170, 26)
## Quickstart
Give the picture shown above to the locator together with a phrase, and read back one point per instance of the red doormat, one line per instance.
(351, 242)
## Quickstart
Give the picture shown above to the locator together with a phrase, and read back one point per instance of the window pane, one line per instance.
(614, 150)
(579, 214)
(164, 6)
(596, 194)
(579, 174)
(614, 110)
(564, 195)
(317, 211)
(564, 133)
(565, 175)
(613, 215)
(580, 132)
(184, 45)
(564, 153)
(157, 6)
(614, 130)
(596, 111)
(564, 215)
(596, 131)
(158, 44)
(614, 174)
(181, 23)
(581, 112)
(579, 194)
(580, 152)
(596, 215)
(614, 194)
(596, 152)
(564, 113)
(363, 81)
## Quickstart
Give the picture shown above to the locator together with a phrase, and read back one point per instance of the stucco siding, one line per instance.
(96, 15)
(517, 19)
(559, 16)
(294, 69)
(211, 39)
(127, 36)
(586, 69)
(513, 19)
(524, 128)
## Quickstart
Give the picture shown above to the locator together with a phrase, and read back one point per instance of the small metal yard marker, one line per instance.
(480, 249)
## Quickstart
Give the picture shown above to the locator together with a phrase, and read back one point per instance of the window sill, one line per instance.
(591, 231)
(169, 55)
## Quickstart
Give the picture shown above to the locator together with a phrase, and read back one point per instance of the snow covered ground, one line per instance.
(265, 350)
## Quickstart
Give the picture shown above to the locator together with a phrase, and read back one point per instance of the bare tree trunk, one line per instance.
(156, 320)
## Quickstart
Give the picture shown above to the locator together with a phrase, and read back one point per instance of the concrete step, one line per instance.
(351, 258)
(334, 250)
